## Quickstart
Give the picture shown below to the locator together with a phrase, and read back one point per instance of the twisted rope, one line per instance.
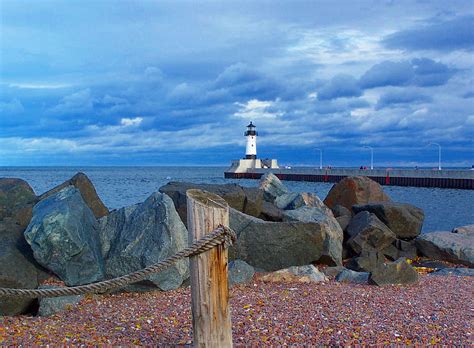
(220, 236)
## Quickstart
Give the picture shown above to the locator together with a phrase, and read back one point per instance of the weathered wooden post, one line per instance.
(209, 287)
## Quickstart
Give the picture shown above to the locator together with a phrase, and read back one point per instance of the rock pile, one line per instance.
(358, 234)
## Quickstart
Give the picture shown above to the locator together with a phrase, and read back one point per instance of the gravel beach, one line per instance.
(438, 310)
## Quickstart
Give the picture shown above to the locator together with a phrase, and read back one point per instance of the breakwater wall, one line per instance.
(455, 179)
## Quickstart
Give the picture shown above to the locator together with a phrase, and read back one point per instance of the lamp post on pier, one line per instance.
(439, 154)
(320, 158)
(371, 156)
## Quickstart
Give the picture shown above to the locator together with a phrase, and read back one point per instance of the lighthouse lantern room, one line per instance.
(251, 149)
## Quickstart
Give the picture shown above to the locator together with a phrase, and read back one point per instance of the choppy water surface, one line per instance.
(122, 186)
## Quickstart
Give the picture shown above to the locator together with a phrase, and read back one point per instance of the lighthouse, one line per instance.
(251, 148)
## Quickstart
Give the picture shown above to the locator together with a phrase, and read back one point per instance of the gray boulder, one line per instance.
(240, 272)
(343, 221)
(349, 276)
(18, 268)
(64, 238)
(340, 210)
(398, 272)
(52, 305)
(87, 190)
(246, 200)
(140, 235)
(401, 248)
(403, 219)
(367, 232)
(460, 272)
(368, 261)
(468, 229)
(275, 245)
(16, 200)
(272, 187)
(447, 246)
(290, 201)
(270, 212)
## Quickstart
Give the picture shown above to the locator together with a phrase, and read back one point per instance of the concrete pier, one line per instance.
(454, 179)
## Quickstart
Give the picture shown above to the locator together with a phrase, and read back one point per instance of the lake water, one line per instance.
(122, 186)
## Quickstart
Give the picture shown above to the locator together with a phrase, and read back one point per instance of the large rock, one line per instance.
(87, 190)
(398, 272)
(468, 229)
(275, 245)
(350, 276)
(270, 212)
(367, 232)
(64, 238)
(459, 272)
(368, 261)
(246, 200)
(290, 201)
(300, 274)
(343, 221)
(405, 220)
(272, 187)
(240, 272)
(339, 210)
(355, 190)
(16, 200)
(18, 269)
(140, 235)
(52, 305)
(447, 246)
(401, 248)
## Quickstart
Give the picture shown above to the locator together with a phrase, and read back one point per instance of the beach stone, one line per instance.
(405, 220)
(401, 248)
(355, 190)
(460, 272)
(447, 246)
(272, 187)
(270, 212)
(350, 276)
(18, 269)
(300, 274)
(87, 190)
(17, 199)
(246, 200)
(240, 272)
(64, 238)
(367, 261)
(275, 245)
(468, 229)
(52, 305)
(340, 210)
(141, 235)
(397, 272)
(432, 264)
(367, 232)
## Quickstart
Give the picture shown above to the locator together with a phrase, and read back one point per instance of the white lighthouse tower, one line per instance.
(251, 148)
(250, 162)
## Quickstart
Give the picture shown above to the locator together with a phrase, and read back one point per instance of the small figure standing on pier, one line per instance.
(251, 149)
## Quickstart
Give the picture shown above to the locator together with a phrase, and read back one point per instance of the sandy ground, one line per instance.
(438, 310)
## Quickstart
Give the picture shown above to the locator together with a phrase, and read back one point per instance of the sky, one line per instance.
(176, 82)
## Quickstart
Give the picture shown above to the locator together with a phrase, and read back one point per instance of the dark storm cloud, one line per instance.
(417, 72)
(448, 35)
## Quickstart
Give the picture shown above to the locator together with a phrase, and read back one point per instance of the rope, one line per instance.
(220, 236)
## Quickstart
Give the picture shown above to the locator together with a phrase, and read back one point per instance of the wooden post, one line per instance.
(209, 287)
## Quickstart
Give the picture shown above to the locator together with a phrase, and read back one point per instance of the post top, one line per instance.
(207, 198)
(251, 125)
